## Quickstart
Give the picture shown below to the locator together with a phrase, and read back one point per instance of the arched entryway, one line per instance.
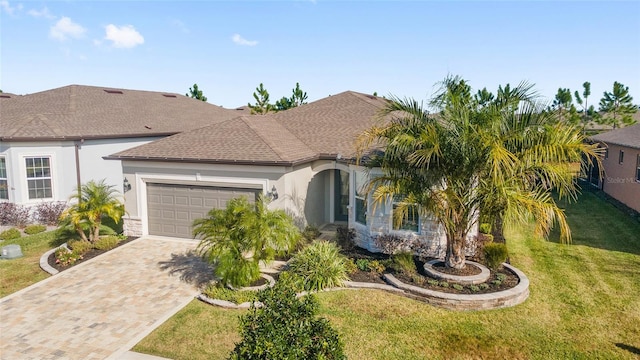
(327, 200)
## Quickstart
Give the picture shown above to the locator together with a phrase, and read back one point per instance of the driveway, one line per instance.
(103, 307)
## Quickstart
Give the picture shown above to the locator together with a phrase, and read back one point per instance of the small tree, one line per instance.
(196, 93)
(617, 106)
(235, 239)
(262, 105)
(89, 206)
(286, 328)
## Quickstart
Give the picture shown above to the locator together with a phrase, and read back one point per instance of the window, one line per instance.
(409, 222)
(621, 157)
(4, 188)
(361, 196)
(638, 169)
(39, 177)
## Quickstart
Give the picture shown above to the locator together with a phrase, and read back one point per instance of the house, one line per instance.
(53, 140)
(621, 165)
(304, 159)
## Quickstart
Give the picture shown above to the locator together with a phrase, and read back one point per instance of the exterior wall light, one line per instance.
(126, 186)
(273, 194)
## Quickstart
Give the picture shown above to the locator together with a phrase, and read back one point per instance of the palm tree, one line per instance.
(503, 159)
(90, 205)
(241, 235)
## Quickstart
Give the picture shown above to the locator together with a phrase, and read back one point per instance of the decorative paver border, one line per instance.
(464, 280)
(44, 260)
(496, 300)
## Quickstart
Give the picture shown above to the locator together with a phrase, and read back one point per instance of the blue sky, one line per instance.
(390, 47)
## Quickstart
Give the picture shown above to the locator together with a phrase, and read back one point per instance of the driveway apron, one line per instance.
(101, 308)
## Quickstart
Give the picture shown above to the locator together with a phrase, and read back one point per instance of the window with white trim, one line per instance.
(361, 196)
(411, 219)
(4, 186)
(638, 168)
(39, 177)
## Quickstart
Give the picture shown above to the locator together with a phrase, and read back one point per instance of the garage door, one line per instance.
(172, 208)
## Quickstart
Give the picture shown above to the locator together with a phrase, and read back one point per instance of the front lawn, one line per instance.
(584, 304)
(19, 273)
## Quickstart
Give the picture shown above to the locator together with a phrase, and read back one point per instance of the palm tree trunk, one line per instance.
(455, 250)
(497, 230)
(80, 232)
(96, 232)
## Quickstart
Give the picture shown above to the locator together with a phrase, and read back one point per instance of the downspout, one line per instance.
(77, 150)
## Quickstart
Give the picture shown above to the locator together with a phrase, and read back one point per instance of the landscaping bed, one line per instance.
(51, 260)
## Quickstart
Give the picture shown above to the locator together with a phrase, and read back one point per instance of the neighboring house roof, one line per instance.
(90, 112)
(324, 129)
(627, 136)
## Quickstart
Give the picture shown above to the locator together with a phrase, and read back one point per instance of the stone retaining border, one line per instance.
(349, 285)
(44, 260)
(464, 280)
(496, 300)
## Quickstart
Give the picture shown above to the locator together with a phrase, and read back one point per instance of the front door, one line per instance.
(341, 191)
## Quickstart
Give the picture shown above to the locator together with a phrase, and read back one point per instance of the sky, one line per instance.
(399, 48)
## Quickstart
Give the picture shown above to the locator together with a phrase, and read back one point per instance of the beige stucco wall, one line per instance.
(620, 178)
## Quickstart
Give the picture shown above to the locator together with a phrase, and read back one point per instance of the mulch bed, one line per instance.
(421, 278)
(87, 256)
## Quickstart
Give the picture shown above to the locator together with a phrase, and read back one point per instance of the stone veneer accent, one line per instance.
(132, 226)
(496, 300)
(431, 237)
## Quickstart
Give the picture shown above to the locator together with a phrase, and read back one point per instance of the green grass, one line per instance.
(585, 299)
(19, 273)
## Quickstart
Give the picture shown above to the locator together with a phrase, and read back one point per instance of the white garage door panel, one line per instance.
(172, 208)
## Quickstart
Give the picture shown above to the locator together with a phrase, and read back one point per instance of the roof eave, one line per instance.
(88, 137)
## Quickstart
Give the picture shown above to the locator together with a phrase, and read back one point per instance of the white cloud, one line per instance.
(44, 13)
(65, 28)
(180, 26)
(242, 41)
(6, 7)
(97, 42)
(124, 36)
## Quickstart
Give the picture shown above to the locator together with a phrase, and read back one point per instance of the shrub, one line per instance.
(14, 214)
(474, 288)
(345, 237)
(106, 243)
(66, 257)
(444, 284)
(10, 234)
(496, 282)
(34, 229)
(457, 287)
(80, 246)
(319, 265)
(495, 254)
(485, 228)
(501, 277)
(49, 212)
(433, 282)
(350, 266)
(391, 244)
(376, 266)
(286, 327)
(483, 286)
(216, 291)
(362, 264)
(403, 263)
(310, 233)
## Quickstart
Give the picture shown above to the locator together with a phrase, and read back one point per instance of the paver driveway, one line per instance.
(101, 308)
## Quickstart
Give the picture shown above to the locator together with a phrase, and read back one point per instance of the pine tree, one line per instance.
(262, 106)
(617, 106)
(196, 93)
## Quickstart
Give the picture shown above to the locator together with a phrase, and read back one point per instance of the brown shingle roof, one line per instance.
(627, 136)
(75, 111)
(326, 128)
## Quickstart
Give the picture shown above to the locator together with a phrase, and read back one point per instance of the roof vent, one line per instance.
(169, 95)
(5, 96)
(372, 97)
(113, 91)
(147, 126)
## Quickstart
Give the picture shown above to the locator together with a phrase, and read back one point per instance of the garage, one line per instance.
(173, 207)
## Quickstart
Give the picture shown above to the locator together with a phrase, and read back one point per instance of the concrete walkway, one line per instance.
(103, 307)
